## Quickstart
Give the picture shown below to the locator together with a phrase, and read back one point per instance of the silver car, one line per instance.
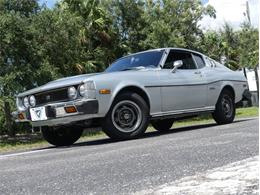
(157, 86)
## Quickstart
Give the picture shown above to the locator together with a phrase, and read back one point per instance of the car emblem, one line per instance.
(38, 113)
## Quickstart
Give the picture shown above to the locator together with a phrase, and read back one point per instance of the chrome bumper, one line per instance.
(56, 114)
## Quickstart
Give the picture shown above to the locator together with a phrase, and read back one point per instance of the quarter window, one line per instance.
(199, 61)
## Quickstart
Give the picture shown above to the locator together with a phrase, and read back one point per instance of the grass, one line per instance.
(21, 142)
(33, 141)
(247, 112)
(204, 119)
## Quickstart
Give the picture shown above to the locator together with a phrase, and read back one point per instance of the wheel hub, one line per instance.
(126, 116)
(227, 106)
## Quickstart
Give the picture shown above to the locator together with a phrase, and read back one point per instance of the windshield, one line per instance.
(136, 61)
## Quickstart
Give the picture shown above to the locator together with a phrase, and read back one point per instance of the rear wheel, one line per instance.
(225, 108)
(162, 125)
(127, 117)
(61, 136)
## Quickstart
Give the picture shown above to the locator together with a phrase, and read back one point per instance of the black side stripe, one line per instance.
(176, 85)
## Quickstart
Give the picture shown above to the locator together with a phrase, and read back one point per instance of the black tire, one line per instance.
(162, 125)
(225, 108)
(127, 118)
(61, 136)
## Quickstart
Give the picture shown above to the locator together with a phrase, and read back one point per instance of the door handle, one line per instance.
(197, 72)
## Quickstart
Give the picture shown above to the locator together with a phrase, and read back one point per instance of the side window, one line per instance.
(186, 58)
(199, 60)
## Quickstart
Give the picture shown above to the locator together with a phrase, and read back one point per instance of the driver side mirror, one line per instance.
(177, 64)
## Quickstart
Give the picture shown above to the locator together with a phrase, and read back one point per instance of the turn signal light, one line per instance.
(70, 109)
(21, 116)
(104, 91)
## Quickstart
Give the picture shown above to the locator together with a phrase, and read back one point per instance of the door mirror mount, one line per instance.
(176, 64)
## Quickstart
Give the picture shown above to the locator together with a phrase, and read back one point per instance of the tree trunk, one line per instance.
(257, 82)
(8, 119)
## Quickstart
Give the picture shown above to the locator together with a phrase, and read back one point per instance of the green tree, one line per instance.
(173, 23)
(95, 33)
(239, 46)
(58, 44)
(248, 46)
(229, 45)
(249, 49)
(23, 7)
(17, 59)
(129, 24)
(224, 42)
(210, 44)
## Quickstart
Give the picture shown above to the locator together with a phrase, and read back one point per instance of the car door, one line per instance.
(186, 88)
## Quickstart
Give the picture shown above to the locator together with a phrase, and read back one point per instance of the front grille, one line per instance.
(52, 96)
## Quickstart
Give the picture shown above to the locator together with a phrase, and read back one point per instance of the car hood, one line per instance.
(63, 82)
(75, 80)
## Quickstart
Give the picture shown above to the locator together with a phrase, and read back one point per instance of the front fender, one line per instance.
(125, 84)
(105, 101)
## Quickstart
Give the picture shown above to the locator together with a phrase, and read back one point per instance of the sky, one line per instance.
(230, 11)
(49, 3)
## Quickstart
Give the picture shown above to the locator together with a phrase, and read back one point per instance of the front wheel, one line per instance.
(127, 118)
(225, 108)
(61, 136)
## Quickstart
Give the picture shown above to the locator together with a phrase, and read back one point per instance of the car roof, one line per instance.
(177, 48)
(166, 48)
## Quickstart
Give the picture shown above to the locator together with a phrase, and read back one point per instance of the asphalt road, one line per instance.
(105, 167)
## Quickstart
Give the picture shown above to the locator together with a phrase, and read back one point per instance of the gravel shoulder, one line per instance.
(235, 178)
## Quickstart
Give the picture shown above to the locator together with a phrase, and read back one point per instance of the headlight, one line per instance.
(72, 93)
(87, 90)
(32, 100)
(82, 90)
(26, 102)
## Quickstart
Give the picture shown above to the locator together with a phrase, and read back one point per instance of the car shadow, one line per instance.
(106, 140)
(146, 135)
(186, 128)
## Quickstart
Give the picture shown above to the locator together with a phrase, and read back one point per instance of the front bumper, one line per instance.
(57, 115)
